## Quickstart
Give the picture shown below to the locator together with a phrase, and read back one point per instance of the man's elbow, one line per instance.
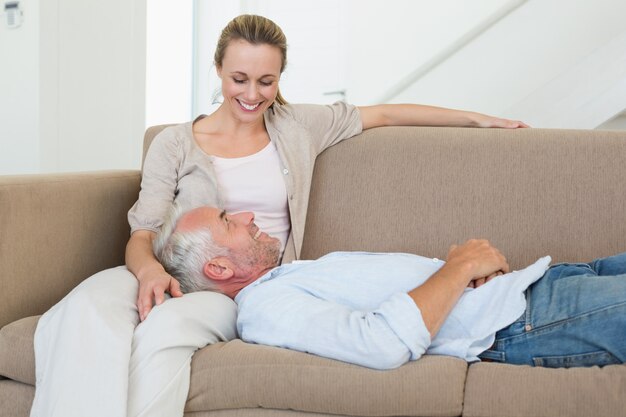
(388, 359)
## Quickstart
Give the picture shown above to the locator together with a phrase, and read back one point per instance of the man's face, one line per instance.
(249, 249)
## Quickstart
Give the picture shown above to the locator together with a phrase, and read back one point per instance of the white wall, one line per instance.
(75, 96)
(542, 46)
(19, 92)
(387, 40)
(169, 61)
(93, 84)
(73, 77)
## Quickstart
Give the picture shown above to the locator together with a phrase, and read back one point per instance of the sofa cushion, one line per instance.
(546, 392)
(15, 398)
(240, 375)
(17, 353)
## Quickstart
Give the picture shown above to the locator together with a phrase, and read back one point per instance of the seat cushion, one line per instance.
(240, 375)
(546, 392)
(15, 398)
(17, 353)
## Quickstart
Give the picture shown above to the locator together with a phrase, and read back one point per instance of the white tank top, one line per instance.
(255, 183)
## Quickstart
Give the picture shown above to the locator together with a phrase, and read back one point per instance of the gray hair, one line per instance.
(184, 254)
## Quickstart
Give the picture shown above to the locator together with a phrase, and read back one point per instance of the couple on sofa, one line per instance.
(257, 153)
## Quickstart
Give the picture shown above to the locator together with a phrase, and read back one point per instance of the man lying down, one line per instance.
(381, 310)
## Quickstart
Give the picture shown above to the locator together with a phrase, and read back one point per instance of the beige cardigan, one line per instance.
(177, 169)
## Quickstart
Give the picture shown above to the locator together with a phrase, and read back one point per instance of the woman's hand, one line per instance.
(154, 282)
(482, 120)
(152, 289)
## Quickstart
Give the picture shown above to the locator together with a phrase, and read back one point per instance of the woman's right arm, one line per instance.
(158, 185)
(154, 282)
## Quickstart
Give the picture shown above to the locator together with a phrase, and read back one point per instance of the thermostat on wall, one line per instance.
(13, 13)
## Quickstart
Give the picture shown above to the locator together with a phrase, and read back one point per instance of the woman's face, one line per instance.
(250, 75)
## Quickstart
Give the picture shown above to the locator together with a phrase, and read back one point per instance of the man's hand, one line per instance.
(472, 261)
(152, 291)
(480, 281)
(480, 259)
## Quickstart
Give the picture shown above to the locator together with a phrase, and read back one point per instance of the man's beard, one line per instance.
(262, 255)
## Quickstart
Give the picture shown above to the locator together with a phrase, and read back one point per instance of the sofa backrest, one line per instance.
(531, 192)
(148, 137)
(56, 230)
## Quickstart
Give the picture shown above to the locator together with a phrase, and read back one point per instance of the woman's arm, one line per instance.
(419, 115)
(153, 280)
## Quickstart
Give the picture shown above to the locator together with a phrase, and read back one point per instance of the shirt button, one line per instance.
(285, 171)
(435, 260)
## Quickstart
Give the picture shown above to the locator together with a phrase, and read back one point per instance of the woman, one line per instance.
(250, 57)
(255, 153)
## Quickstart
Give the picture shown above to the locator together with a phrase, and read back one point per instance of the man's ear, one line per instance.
(218, 269)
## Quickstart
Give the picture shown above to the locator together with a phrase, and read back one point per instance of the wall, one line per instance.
(19, 92)
(388, 40)
(542, 63)
(78, 103)
(73, 77)
(169, 61)
(93, 84)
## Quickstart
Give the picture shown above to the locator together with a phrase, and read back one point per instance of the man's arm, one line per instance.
(277, 313)
(471, 261)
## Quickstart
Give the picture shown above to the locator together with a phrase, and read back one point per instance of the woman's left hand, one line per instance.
(490, 121)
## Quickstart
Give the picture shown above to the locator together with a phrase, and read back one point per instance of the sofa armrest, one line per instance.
(56, 230)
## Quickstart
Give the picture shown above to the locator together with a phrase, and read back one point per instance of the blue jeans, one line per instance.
(575, 316)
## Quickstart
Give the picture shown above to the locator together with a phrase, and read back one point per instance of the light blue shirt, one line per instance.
(354, 307)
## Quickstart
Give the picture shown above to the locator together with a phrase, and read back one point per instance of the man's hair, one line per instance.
(183, 254)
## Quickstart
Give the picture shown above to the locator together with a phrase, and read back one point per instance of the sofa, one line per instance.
(531, 192)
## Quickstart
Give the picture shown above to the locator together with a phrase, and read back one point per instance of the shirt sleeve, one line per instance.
(329, 124)
(158, 183)
(284, 315)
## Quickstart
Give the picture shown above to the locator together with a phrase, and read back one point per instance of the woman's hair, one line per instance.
(257, 30)
(184, 254)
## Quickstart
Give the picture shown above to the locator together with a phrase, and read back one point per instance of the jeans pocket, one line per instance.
(599, 358)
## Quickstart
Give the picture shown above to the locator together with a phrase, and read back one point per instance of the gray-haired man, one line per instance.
(381, 310)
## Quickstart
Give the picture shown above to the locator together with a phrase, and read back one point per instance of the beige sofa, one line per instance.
(532, 192)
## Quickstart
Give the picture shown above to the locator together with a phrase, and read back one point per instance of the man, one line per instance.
(381, 310)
